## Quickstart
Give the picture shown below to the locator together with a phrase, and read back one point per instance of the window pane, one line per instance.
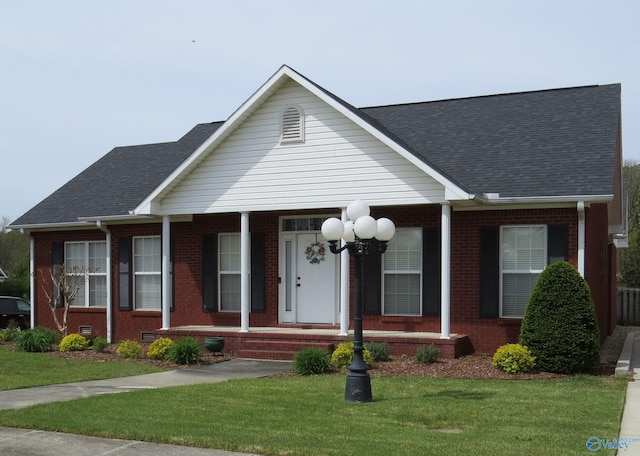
(98, 257)
(79, 300)
(148, 292)
(230, 292)
(404, 251)
(402, 294)
(230, 252)
(98, 291)
(147, 256)
(516, 290)
(75, 255)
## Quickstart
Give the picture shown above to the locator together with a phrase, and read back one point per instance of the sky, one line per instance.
(78, 78)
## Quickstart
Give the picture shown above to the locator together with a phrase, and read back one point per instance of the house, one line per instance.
(209, 234)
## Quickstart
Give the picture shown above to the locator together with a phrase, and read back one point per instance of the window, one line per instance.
(229, 270)
(402, 264)
(523, 256)
(147, 268)
(292, 125)
(89, 257)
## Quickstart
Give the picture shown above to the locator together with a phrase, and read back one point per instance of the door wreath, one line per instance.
(315, 252)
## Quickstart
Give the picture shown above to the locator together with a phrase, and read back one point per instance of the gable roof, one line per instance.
(553, 143)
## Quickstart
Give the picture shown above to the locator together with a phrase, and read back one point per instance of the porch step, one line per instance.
(279, 349)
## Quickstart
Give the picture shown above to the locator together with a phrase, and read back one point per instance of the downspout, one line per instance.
(107, 233)
(581, 237)
(32, 281)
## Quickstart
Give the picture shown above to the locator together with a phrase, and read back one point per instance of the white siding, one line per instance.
(338, 161)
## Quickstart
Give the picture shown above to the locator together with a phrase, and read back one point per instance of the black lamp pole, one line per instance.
(358, 387)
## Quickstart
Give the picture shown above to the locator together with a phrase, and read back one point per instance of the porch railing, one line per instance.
(628, 304)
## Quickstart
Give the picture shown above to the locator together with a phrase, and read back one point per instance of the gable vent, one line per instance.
(292, 125)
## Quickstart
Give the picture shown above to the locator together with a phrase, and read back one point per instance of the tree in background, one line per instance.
(14, 260)
(630, 257)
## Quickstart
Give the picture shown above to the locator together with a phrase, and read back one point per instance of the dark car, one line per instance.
(14, 312)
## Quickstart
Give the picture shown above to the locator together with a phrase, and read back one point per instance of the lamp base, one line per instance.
(358, 388)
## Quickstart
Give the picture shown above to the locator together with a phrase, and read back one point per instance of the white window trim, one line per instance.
(90, 273)
(144, 273)
(221, 273)
(420, 272)
(520, 271)
(300, 136)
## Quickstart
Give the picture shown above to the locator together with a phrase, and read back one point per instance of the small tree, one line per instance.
(560, 325)
(61, 288)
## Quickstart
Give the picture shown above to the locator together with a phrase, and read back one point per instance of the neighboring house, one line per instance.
(506, 183)
(3, 276)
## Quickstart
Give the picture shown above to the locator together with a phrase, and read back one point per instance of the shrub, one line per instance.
(380, 351)
(560, 326)
(73, 342)
(159, 347)
(2, 336)
(311, 360)
(513, 359)
(342, 356)
(11, 333)
(428, 354)
(38, 339)
(99, 344)
(129, 349)
(185, 351)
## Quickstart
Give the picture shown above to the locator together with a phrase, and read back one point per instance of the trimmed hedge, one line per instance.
(560, 325)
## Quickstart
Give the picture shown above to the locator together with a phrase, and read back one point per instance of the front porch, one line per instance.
(282, 343)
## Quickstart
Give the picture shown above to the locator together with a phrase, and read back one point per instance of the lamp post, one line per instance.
(363, 235)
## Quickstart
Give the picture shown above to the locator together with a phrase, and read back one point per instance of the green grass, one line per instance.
(24, 370)
(308, 416)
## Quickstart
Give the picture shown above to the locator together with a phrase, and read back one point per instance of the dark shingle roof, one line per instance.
(117, 182)
(558, 142)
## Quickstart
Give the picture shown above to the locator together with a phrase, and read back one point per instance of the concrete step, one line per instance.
(277, 355)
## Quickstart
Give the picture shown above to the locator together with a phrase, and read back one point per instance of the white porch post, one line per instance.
(344, 286)
(109, 315)
(245, 264)
(445, 312)
(581, 237)
(166, 272)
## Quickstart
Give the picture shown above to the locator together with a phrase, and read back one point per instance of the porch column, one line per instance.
(245, 265)
(344, 286)
(166, 272)
(109, 316)
(445, 304)
(581, 237)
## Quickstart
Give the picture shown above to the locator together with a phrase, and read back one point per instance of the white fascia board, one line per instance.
(497, 200)
(452, 191)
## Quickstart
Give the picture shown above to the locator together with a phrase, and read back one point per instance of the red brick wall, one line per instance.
(486, 333)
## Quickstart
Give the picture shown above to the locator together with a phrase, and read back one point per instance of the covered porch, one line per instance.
(283, 342)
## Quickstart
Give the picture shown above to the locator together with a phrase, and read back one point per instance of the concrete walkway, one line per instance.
(629, 366)
(23, 442)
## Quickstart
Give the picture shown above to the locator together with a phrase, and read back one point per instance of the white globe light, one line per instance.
(332, 229)
(386, 229)
(357, 209)
(349, 235)
(366, 227)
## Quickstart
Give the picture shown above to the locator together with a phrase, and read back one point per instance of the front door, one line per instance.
(308, 278)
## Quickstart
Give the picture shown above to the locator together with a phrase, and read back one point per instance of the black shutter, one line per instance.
(431, 267)
(372, 265)
(57, 260)
(489, 272)
(258, 268)
(209, 273)
(557, 243)
(124, 273)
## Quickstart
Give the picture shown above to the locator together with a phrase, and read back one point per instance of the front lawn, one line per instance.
(25, 370)
(308, 416)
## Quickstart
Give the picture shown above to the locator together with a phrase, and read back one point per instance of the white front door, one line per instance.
(309, 278)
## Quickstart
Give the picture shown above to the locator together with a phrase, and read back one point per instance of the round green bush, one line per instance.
(73, 342)
(428, 354)
(38, 339)
(342, 356)
(513, 359)
(129, 349)
(99, 344)
(380, 351)
(310, 361)
(560, 326)
(159, 348)
(185, 351)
